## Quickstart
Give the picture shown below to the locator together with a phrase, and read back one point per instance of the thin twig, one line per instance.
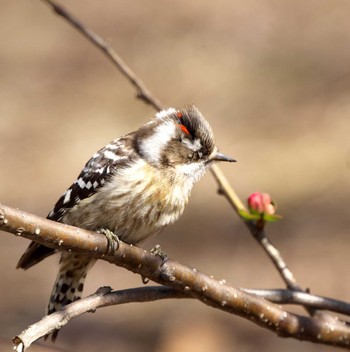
(281, 296)
(104, 297)
(142, 92)
(225, 189)
(275, 256)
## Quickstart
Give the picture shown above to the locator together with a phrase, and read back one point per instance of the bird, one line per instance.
(133, 187)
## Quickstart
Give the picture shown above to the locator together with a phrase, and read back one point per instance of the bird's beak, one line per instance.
(221, 157)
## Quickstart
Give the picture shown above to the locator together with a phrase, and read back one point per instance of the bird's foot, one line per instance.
(113, 241)
(157, 251)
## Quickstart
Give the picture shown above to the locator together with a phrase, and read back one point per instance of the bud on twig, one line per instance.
(260, 203)
(261, 208)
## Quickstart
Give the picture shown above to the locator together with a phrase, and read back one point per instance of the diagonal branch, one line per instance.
(225, 189)
(260, 236)
(142, 92)
(103, 297)
(187, 280)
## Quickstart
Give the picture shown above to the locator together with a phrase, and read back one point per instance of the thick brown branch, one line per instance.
(189, 281)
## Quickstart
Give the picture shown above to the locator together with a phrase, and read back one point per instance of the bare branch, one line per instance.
(104, 297)
(225, 189)
(301, 298)
(260, 236)
(179, 277)
(142, 92)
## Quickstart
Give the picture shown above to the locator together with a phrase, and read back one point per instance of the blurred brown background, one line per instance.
(273, 79)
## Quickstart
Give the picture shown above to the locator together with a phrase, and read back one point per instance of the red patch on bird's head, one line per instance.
(184, 129)
(179, 114)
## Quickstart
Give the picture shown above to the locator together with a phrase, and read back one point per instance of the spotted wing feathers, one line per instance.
(95, 174)
(97, 171)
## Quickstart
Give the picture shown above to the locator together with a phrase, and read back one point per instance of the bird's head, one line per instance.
(180, 139)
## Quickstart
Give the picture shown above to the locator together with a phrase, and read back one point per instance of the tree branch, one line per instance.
(103, 297)
(177, 276)
(281, 296)
(225, 189)
(142, 92)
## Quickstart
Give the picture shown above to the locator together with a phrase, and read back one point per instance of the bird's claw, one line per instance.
(157, 251)
(113, 241)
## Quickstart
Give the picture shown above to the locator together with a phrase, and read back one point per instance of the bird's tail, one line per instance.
(34, 254)
(69, 282)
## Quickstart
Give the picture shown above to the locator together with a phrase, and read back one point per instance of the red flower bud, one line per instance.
(255, 203)
(260, 203)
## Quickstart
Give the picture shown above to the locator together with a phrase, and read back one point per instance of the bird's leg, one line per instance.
(113, 241)
(157, 251)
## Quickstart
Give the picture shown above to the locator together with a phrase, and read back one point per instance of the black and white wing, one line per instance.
(95, 174)
(97, 171)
